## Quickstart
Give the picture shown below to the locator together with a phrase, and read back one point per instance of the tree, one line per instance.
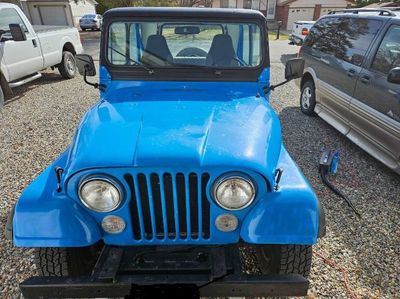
(362, 3)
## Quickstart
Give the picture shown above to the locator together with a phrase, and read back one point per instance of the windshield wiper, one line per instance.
(150, 70)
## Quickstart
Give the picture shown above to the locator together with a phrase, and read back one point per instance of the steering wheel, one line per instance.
(192, 52)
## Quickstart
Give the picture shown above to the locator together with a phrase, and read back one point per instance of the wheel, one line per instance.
(67, 67)
(192, 52)
(52, 261)
(83, 29)
(307, 98)
(284, 259)
(1, 97)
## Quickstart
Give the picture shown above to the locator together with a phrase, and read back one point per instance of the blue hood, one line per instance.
(179, 127)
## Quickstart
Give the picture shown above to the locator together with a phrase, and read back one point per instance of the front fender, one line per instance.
(44, 217)
(291, 215)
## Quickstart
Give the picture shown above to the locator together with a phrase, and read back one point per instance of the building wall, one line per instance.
(306, 10)
(267, 7)
(81, 8)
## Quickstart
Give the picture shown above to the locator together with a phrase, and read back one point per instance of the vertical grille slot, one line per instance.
(144, 196)
(158, 214)
(194, 206)
(205, 206)
(169, 198)
(134, 208)
(180, 187)
(169, 206)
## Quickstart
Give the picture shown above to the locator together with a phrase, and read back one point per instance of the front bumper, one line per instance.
(181, 272)
(296, 40)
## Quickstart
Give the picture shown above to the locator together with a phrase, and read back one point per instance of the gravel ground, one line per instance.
(40, 122)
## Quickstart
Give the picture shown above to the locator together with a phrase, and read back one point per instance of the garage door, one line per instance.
(299, 14)
(53, 15)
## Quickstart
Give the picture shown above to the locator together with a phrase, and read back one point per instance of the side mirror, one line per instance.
(294, 68)
(85, 65)
(394, 75)
(17, 33)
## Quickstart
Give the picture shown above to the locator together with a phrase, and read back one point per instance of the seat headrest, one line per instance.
(222, 52)
(156, 50)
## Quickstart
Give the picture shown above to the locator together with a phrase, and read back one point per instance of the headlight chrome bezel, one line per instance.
(228, 176)
(103, 178)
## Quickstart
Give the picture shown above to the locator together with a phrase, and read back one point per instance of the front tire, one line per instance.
(67, 67)
(307, 98)
(284, 259)
(52, 261)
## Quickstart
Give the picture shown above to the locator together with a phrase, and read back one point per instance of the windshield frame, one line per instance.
(183, 72)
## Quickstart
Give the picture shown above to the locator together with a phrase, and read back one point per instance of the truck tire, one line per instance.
(284, 259)
(307, 98)
(52, 261)
(67, 67)
(1, 97)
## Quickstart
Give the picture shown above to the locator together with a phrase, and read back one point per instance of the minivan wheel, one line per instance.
(284, 259)
(67, 67)
(307, 98)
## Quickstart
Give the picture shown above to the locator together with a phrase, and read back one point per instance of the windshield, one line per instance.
(88, 16)
(184, 44)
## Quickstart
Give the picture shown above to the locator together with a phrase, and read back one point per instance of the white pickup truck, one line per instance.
(300, 30)
(25, 50)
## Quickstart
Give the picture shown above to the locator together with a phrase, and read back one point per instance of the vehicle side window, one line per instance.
(10, 16)
(388, 54)
(322, 36)
(353, 38)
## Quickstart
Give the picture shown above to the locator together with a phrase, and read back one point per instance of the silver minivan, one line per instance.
(352, 79)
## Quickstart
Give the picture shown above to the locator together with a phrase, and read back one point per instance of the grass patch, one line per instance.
(282, 36)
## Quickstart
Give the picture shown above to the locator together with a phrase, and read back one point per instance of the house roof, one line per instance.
(317, 2)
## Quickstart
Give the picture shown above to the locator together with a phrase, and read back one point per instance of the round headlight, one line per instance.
(100, 194)
(234, 192)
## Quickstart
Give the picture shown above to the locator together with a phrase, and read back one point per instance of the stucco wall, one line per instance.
(81, 8)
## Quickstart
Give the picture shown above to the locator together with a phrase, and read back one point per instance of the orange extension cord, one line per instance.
(350, 292)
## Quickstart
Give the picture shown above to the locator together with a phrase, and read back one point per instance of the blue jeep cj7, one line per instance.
(177, 166)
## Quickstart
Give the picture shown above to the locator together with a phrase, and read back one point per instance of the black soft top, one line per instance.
(180, 12)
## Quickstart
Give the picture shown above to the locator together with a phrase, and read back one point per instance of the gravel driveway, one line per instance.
(40, 122)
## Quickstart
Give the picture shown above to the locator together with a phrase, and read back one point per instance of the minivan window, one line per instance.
(388, 54)
(322, 36)
(353, 38)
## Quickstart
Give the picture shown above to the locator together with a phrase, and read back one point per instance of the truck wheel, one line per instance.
(67, 67)
(284, 259)
(52, 261)
(1, 97)
(307, 98)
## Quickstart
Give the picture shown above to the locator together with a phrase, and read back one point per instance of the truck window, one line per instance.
(10, 16)
(354, 37)
(388, 54)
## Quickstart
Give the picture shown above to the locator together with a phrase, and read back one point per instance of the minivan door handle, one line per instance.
(351, 73)
(34, 43)
(365, 79)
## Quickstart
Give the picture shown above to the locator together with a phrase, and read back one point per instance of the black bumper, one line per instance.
(180, 272)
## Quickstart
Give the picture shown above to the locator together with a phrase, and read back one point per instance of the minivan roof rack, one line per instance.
(381, 11)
